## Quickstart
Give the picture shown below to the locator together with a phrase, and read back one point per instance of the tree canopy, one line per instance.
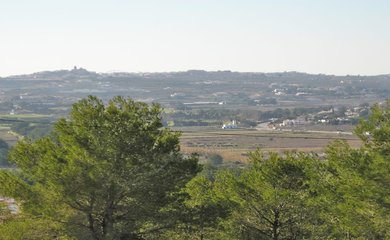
(113, 172)
(106, 172)
(270, 197)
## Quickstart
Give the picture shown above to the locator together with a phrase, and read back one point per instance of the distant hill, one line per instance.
(83, 73)
(50, 92)
(56, 75)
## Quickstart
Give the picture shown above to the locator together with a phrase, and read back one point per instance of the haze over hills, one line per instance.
(247, 96)
(234, 88)
(193, 72)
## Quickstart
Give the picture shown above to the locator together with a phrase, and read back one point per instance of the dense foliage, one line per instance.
(344, 195)
(106, 172)
(112, 172)
(31, 130)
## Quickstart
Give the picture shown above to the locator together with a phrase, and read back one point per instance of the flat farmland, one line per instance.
(234, 145)
(8, 136)
(24, 116)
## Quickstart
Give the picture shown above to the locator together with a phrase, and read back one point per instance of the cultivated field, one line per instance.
(24, 116)
(10, 137)
(234, 145)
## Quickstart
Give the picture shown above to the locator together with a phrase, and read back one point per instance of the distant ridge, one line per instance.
(84, 73)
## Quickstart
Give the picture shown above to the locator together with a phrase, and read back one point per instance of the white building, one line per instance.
(231, 125)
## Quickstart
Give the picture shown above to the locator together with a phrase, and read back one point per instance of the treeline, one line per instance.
(4, 148)
(247, 118)
(250, 118)
(112, 172)
(27, 129)
(295, 196)
(31, 130)
(258, 115)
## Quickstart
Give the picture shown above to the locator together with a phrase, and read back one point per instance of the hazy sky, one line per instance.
(316, 36)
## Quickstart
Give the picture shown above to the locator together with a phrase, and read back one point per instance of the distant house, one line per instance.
(177, 95)
(292, 122)
(231, 125)
(323, 120)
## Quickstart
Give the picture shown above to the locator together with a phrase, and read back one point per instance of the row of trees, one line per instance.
(31, 130)
(248, 118)
(112, 172)
(300, 196)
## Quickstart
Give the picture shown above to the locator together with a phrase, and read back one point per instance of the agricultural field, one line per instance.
(24, 116)
(234, 145)
(10, 137)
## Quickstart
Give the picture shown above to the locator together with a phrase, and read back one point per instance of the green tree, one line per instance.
(351, 201)
(270, 196)
(30, 228)
(355, 189)
(375, 131)
(107, 172)
(202, 211)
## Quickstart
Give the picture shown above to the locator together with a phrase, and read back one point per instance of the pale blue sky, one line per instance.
(315, 36)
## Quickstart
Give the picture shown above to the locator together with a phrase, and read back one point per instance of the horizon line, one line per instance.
(200, 70)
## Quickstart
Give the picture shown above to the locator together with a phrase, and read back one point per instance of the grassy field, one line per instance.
(234, 145)
(8, 136)
(24, 116)
(4, 127)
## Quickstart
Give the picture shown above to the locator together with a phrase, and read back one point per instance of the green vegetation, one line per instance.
(113, 172)
(4, 148)
(247, 117)
(31, 130)
(24, 116)
(270, 198)
(107, 172)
